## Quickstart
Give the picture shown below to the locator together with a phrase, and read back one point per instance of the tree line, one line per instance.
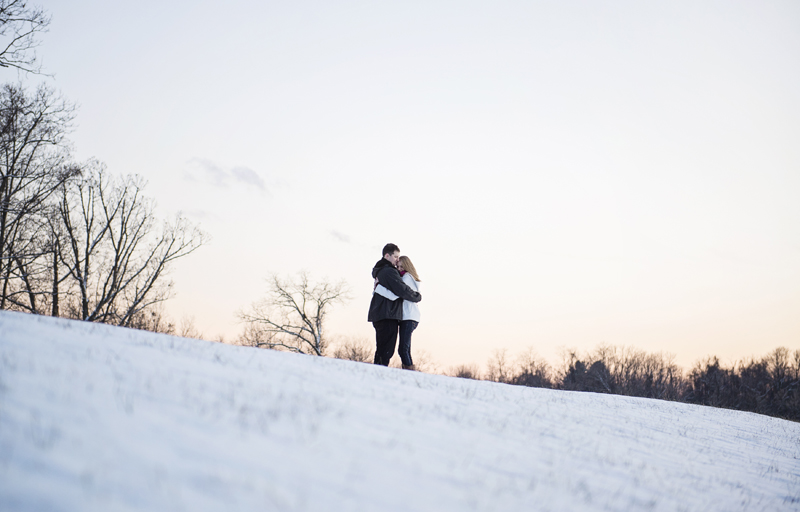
(75, 240)
(767, 385)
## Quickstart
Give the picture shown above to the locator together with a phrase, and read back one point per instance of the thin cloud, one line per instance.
(340, 236)
(248, 176)
(206, 171)
(202, 170)
(203, 215)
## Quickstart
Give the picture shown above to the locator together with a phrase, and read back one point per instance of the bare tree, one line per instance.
(292, 316)
(113, 251)
(33, 165)
(19, 27)
(354, 349)
(465, 371)
(188, 329)
(532, 371)
(153, 319)
(498, 367)
(624, 371)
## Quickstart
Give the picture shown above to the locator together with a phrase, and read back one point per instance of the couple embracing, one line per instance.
(394, 306)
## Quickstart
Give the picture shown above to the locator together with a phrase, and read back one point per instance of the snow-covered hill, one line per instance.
(94, 417)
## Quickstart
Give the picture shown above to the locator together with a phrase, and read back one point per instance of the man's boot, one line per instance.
(409, 367)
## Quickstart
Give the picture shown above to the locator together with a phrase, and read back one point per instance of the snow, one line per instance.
(94, 417)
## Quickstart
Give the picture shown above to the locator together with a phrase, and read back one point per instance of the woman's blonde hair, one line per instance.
(409, 267)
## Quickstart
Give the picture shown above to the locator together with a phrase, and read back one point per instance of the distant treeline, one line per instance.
(769, 385)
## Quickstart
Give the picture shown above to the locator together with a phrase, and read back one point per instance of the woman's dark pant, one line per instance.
(406, 328)
(385, 340)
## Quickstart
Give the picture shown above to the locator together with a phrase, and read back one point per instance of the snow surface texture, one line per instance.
(94, 417)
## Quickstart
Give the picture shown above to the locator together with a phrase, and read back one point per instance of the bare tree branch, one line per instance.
(292, 316)
(116, 261)
(19, 27)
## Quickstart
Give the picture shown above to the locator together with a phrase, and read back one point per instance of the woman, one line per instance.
(411, 315)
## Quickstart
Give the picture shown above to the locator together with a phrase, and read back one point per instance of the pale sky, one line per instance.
(562, 174)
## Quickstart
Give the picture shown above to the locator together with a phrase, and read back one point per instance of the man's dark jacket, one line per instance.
(382, 308)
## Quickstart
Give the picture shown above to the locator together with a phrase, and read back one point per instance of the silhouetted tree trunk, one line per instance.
(33, 165)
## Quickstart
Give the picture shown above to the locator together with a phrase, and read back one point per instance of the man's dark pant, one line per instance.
(385, 340)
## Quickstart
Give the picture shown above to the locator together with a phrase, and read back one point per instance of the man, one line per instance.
(386, 314)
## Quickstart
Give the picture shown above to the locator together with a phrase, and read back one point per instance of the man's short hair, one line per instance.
(390, 249)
